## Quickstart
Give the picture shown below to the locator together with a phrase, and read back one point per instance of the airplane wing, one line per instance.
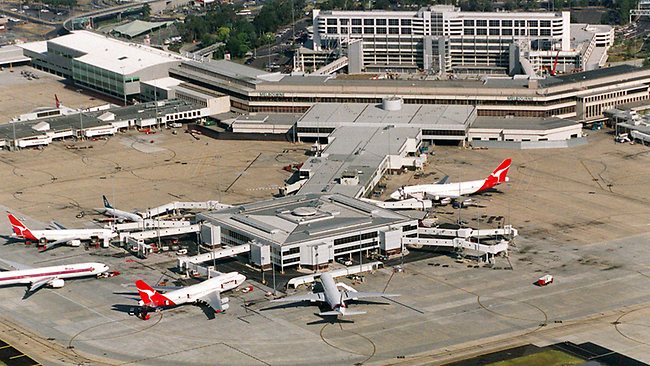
(444, 180)
(56, 226)
(50, 245)
(14, 265)
(40, 283)
(355, 295)
(212, 300)
(318, 296)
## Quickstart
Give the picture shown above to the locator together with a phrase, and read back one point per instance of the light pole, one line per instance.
(273, 267)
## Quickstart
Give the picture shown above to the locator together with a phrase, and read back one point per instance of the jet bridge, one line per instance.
(185, 263)
(488, 242)
(175, 206)
(150, 234)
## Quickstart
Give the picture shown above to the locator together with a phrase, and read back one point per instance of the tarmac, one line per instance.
(583, 215)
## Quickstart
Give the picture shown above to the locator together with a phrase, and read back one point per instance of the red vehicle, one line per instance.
(545, 280)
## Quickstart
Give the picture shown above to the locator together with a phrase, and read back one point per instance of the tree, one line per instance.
(146, 11)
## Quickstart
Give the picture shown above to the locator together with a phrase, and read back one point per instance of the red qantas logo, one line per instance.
(20, 229)
(150, 296)
(498, 176)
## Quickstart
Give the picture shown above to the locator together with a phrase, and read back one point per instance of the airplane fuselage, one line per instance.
(27, 276)
(451, 190)
(122, 214)
(332, 293)
(191, 294)
(79, 234)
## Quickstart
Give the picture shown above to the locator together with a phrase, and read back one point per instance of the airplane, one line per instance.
(334, 297)
(119, 215)
(52, 237)
(206, 293)
(53, 276)
(447, 191)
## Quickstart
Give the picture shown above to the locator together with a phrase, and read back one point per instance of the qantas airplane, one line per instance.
(444, 190)
(51, 237)
(119, 215)
(333, 297)
(52, 276)
(206, 293)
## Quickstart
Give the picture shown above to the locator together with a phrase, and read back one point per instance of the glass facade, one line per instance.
(99, 79)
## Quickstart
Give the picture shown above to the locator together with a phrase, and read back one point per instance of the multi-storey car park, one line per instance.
(442, 39)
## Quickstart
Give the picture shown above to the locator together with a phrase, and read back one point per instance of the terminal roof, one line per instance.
(304, 217)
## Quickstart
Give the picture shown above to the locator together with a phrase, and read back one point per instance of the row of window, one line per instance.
(367, 21)
(358, 237)
(371, 244)
(507, 23)
(616, 94)
(506, 32)
(369, 30)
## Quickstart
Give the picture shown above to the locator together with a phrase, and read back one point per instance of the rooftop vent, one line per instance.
(304, 211)
(391, 104)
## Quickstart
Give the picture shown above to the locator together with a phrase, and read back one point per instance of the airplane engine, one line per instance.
(42, 241)
(57, 283)
(74, 243)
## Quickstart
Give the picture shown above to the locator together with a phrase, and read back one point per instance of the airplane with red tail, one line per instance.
(206, 293)
(52, 237)
(444, 190)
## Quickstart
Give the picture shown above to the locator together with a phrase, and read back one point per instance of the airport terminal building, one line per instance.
(100, 63)
(311, 230)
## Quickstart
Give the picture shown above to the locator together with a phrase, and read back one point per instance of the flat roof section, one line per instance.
(360, 150)
(447, 117)
(236, 71)
(114, 55)
(536, 124)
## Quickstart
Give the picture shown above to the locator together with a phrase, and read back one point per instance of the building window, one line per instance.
(406, 30)
(494, 23)
(331, 30)
(494, 31)
(381, 30)
(393, 30)
(545, 23)
(356, 30)
(544, 32)
(506, 32)
(481, 23)
(344, 31)
(368, 30)
(331, 21)
(345, 21)
(533, 32)
(368, 22)
(468, 22)
(469, 31)
(506, 23)
(381, 21)
(532, 23)
(406, 21)
(481, 31)
(356, 21)
(393, 21)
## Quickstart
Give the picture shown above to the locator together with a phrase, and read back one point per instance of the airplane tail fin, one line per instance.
(56, 100)
(20, 229)
(149, 296)
(106, 203)
(498, 176)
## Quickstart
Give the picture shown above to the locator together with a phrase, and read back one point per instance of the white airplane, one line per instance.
(51, 237)
(53, 276)
(444, 190)
(207, 293)
(119, 215)
(334, 297)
